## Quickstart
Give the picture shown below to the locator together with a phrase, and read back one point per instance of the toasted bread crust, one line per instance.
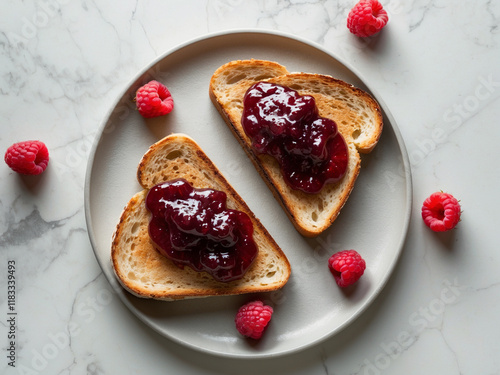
(356, 113)
(144, 272)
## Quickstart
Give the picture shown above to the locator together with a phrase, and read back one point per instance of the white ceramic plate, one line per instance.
(311, 307)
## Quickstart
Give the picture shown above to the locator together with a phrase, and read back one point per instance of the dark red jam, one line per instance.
(286, 125)
(193, 227)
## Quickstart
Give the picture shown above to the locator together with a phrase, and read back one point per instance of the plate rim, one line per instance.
(400, 142)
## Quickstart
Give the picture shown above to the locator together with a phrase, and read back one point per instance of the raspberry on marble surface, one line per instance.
(367, 18)
(441, 212)
(27, 157)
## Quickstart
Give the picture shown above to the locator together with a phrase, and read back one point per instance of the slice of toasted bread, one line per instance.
(356, 113)
(145, 273)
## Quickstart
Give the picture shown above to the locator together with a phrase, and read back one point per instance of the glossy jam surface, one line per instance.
(286, 125)
(193, 227)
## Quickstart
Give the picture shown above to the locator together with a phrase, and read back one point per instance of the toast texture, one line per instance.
(356, 113)
(144, 272)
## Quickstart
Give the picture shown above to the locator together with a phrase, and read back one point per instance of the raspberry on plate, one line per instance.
(153, 100)
(441, 212)
(252, 319)
(28, 157)
(367, 18)
(347, 267)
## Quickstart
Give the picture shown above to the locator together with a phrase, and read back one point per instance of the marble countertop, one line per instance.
(437, 67)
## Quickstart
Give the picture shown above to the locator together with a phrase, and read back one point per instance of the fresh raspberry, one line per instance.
(347, 267)
(441, 212)
(28, 157)
(153, 100)
(252, 319)
(366, 18)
